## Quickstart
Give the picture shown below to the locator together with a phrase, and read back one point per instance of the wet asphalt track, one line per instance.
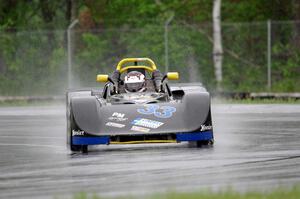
(257, 147)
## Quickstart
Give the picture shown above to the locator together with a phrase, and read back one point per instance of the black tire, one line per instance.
(84, 148)
(201, 143)
(204, 143)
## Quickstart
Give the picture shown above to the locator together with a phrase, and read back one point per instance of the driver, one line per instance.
(134, 82)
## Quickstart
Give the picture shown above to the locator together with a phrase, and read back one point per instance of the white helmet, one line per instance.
(134, 81)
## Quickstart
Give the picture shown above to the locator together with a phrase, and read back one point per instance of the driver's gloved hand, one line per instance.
(115, 77)
(157, 76)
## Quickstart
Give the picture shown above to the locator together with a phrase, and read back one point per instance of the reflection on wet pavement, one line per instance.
(257, 147)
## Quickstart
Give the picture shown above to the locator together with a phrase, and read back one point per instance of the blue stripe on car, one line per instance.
(195, 136)
(76, 140)
(180, 137)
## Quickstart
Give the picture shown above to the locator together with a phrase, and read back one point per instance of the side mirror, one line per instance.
(102, 78)
(173, 75)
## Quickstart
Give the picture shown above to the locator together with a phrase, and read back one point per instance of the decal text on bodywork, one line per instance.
(119, 117)
(147, 123)
(113, 124)
(205, 128)
(157, 111)
(74, 132)
(140, 129)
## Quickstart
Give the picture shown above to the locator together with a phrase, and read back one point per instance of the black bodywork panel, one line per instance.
(185, 111)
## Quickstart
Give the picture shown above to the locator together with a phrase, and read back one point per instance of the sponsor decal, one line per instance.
(120, 117)
(77, 132)
(205, 128)
(113, 124)
(140, 129)
(157, 111)
(147, 123)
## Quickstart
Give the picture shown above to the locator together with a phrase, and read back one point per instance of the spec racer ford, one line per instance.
(137, 105)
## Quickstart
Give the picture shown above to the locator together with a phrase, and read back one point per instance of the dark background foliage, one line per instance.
(33, 53)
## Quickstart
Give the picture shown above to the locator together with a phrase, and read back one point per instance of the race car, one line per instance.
(137, 105)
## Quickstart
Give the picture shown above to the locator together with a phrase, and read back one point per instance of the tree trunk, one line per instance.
(71, 13)
(48, 14)
(296, 13)
(217, 49)
(2, 64)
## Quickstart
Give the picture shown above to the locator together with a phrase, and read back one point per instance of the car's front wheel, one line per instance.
(205, 143)
(201, 143)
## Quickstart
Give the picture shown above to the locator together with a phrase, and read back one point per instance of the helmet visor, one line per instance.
(134, 87)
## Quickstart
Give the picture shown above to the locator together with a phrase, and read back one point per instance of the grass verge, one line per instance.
(291, 193)
(30, 103)
(214, 100)
(255, 101)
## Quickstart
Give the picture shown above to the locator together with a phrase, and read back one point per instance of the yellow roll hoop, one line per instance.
(122, 68)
